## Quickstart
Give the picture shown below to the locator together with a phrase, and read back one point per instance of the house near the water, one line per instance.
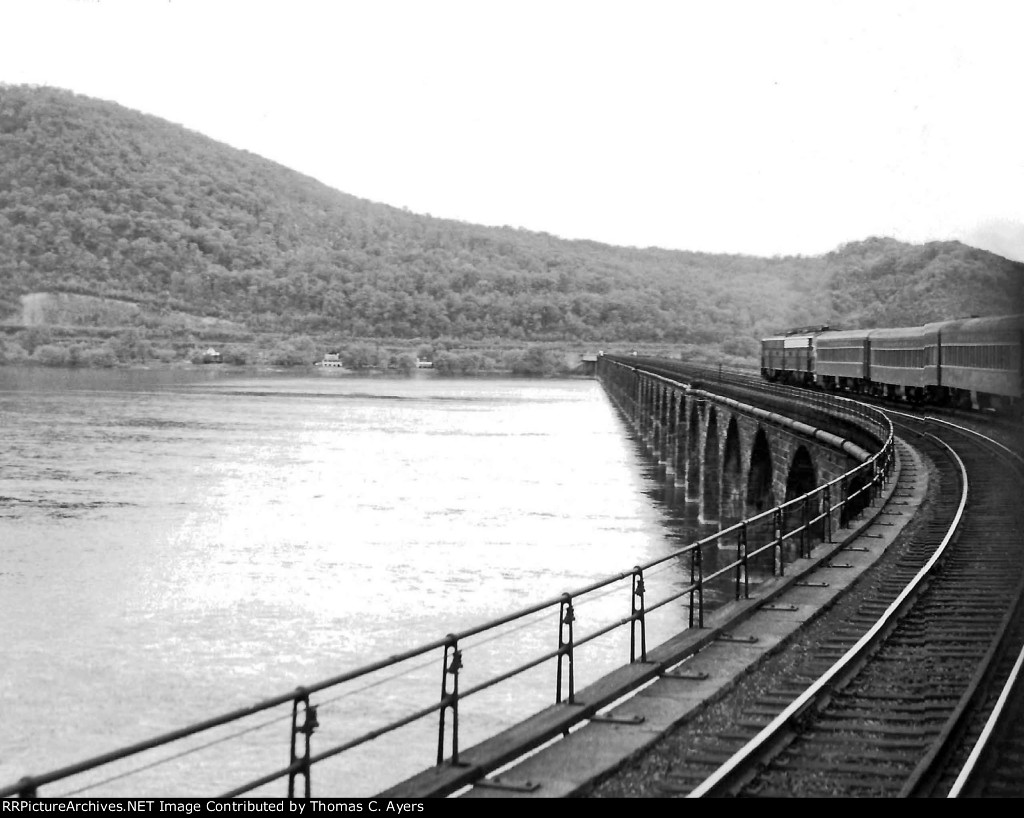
(331, 359)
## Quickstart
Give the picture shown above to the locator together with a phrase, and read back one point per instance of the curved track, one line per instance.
(922, 657)
(993, 768)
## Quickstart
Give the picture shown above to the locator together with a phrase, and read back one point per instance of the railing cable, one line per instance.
(181, 754)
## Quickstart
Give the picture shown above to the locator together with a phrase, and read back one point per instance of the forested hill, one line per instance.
(100, 201)
(885, 283)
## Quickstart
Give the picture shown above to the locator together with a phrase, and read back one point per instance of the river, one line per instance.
(180, 543)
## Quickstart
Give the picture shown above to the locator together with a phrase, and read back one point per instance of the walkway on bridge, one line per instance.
(733, 642)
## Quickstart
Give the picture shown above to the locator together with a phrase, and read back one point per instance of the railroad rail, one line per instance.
(993, 768)
(908, 693)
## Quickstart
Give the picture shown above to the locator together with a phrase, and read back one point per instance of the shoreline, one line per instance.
(310, 369)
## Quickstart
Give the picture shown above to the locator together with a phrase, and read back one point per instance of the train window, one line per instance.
(901, 358)
(988, 356)
(840, 354)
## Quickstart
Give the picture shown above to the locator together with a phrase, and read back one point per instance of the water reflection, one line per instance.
(177, 544)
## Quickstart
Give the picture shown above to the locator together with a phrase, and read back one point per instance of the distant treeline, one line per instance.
(42, 346)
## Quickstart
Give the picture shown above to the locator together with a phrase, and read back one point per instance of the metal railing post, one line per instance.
(451, 666)
(828, 513)
(805, 549)
(697, 580)
(741, 561)
(779, 562)
(700, 586)
(566, 617)
(844, 503)
(637, 615)
(309, 724)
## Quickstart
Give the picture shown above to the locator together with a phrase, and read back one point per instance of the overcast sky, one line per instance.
(771, 127)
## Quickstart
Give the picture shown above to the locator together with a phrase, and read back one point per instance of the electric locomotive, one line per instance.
(789, 358)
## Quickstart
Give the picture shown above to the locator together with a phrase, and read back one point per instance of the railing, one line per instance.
(767, 542)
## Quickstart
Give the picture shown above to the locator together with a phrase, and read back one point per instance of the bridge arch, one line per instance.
(859, 502)
(759, 476)
(673, 411)
(726, 455)
(732, 476)
(693, 470)
(680, 440)
(658, 420)
(710, 506)
(802, 476)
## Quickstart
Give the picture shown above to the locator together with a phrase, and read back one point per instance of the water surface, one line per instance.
(179, 544)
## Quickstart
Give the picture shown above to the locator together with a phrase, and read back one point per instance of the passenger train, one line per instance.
(967, 363)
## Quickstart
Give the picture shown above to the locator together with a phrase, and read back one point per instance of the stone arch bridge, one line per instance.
(731, 457)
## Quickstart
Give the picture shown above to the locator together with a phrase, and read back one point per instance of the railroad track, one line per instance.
(890, 694)
(988, 760)
(994, 767)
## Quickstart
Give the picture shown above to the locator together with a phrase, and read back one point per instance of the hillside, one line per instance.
(114, 220)
(885, 283)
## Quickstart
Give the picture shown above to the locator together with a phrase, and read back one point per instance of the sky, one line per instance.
(724, 126)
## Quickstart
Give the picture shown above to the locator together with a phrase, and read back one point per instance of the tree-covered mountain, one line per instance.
(885, 283)
(112, 219)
